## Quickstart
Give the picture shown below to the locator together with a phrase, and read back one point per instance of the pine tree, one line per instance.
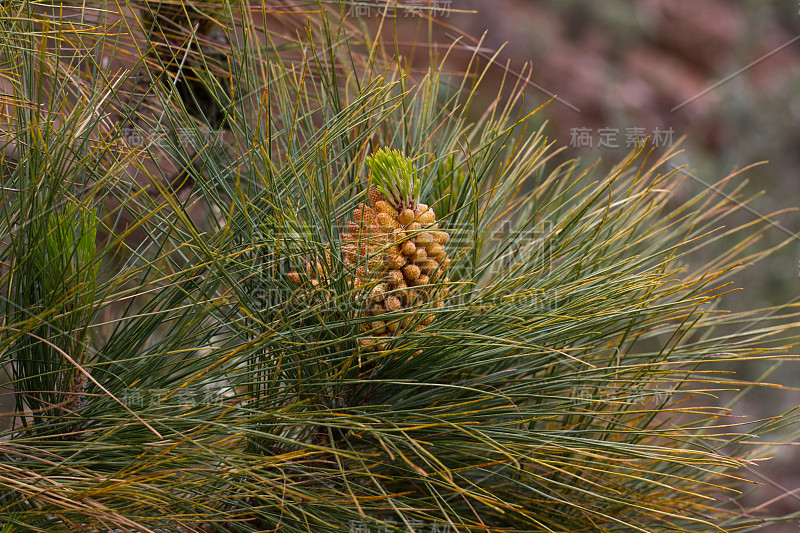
(363, 310)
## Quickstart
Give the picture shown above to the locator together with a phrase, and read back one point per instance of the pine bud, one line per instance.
(406, 217)
(440, 237)
(394, 277)
(411, 272)
(375, 198)
(392, 303)
(408, 248)
(436, 251)
(424, 239)
(421, 280)
(386, 222)
(378, 291)
(428, 266)
(397, 261)
(383, 207)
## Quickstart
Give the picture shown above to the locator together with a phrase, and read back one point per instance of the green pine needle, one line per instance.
(396, 177)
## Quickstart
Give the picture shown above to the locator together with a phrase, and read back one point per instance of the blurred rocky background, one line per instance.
(723, 75)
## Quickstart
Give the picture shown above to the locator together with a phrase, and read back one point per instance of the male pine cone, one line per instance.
(397, 254)
(400, 258)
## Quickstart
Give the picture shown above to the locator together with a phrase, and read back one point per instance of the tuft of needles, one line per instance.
(396, 177)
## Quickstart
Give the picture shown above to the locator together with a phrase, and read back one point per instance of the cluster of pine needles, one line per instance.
(166, 167)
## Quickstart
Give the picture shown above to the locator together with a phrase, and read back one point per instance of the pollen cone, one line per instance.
(397, 252)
